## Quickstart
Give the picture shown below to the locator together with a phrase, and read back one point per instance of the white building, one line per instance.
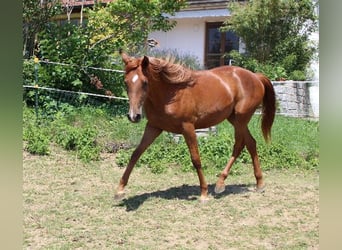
(197, 32)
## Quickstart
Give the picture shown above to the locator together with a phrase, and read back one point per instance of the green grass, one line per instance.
(88, 131)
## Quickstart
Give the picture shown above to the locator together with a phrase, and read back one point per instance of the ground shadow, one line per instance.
(184, 192)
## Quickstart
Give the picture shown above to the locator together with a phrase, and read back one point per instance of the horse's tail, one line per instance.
(268, 107)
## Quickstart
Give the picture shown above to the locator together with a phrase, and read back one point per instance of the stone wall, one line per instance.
(297, 99)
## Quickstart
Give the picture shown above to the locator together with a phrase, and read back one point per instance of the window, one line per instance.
(217, 44)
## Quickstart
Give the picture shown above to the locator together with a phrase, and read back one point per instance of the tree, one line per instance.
(275, 32)
(36, 13)
(118, 24)
(127, 23)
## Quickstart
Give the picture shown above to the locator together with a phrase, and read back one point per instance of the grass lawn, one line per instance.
(69, 205)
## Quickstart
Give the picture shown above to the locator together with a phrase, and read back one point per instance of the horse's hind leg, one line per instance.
(251, 147)
(242, 138)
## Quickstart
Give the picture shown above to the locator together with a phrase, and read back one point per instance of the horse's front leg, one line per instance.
(149, 136)
(191, 140)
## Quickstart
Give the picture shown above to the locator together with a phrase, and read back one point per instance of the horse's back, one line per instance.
(234, 74)
(246, 83)
(246, 88)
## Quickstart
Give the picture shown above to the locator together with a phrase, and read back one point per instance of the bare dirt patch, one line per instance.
(70, 205)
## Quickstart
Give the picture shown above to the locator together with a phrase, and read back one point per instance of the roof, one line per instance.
(78, 3)
(195, 8)
(206, 4)
(200, 13)
(192, 4)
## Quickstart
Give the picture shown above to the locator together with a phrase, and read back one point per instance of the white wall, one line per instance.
(187, 37)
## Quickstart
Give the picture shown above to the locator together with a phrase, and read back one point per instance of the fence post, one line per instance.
(36, 62)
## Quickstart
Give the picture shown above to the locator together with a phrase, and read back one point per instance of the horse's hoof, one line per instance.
(261, 189)
(203, 199)
(119, 195)
(219, 188)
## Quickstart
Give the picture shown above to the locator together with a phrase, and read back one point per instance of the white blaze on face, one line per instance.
(135, 78)
(131, 113)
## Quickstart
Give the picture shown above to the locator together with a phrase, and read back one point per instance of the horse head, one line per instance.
(136, 84)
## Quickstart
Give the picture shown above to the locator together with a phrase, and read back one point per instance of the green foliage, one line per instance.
(275, 33)
(88, 131)
(70, 44)
(35, 15)
(127, 23)
(274, 71)
(295, 144)
(38, 141)
(56, 46)
(118, 24)
(35, 135)
(187, 59)
(67, 137)
(297, 75)
(64, 129)
(72, 132)
(28, 72)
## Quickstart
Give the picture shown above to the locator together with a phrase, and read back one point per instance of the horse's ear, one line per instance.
(145, 62)
(124, 56)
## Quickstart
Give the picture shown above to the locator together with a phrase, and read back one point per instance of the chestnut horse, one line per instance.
(180, 100)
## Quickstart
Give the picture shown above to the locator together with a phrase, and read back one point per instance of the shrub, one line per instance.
(28, 72)
(272, 39)
(66, 136)
(81, 140)
(37, 139)
(287, 150)
(187, 59)
(297, 75)
(273, 70)
(88, 131)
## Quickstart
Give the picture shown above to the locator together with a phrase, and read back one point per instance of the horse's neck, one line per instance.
(162, 93)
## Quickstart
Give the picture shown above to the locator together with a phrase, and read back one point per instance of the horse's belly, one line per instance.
(212, 118)
(164, 121)
(171, 117)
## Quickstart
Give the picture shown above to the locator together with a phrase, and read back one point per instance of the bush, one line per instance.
(287, 150)
(38, 140)
(79, 139)
(297, 75)
(187, 59)
(271, 39)
(273, 70)
(69, 44)
(88, 131)
(28, 72)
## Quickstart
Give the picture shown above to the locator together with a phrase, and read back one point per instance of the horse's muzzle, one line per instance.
(135, 118)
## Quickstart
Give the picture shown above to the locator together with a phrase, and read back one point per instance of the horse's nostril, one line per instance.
(137, 117)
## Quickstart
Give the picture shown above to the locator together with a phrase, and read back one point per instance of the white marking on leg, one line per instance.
(135, 78)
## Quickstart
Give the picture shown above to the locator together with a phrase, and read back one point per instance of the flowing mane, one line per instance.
(170, 72)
